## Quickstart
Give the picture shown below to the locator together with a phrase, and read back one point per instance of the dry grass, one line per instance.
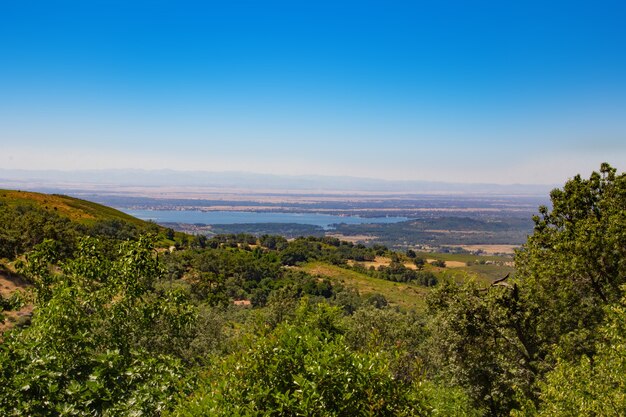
(378, 261)
(451, 264)
(490, 249)
(354, 238)
(47, 201)
(11, 282)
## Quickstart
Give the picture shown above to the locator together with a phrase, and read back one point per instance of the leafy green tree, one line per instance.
(419, 263)
(573, 264)
(273, 242)
(439, 263)
(101, 342)
(474, 344)
(347, 298)
(499, 342)
(113, 229)
(398, 336)
(300, 250)
(591, 386)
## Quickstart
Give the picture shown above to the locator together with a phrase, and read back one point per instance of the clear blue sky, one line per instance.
(502, 91)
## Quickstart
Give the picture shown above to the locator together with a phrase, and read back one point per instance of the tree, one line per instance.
(439, 263)
(573, 264)
(102, 341)
(498, 342)
(591, 385)
(474, 344)
(419, 263)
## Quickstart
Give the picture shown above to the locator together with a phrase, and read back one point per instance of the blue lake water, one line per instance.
(234, 217)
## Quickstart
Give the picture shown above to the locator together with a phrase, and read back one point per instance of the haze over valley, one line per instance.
(430, 215)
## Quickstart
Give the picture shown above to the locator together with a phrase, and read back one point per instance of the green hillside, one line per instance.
(75, 209)
(28, 219)
(406, 295)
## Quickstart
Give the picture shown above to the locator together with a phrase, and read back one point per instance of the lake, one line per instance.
(235, 217)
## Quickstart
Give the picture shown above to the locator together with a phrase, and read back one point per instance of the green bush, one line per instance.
(101, 342)
(296, 373)
(305, 368)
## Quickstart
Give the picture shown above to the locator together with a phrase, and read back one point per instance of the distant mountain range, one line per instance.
(112, 180)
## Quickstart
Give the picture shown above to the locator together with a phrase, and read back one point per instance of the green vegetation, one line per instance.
(289, 230)
(568, 273)
(592, 385)
(440, 230)
(102, 340)
(405, 295)
(244, 325)
(28, 219)
(74, 209)
(304, 368)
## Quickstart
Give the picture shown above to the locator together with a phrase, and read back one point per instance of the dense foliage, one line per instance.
(501, 342)
(23, 227)
(591, 385)
(101, 340)
(234, 325)
(304, 368)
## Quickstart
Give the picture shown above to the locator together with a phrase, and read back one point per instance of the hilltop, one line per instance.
(74, 209)
(30, 218)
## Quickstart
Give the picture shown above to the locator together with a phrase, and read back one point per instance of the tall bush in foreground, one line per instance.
(306, 369)
(101, 342)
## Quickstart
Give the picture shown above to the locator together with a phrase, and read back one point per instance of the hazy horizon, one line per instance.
(204, 182)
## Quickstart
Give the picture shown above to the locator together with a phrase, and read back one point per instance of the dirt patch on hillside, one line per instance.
(13, 318)
(382, 261)
(353, 238)
(490, 249)
(455, 264)
(9, 284)
(378, 261)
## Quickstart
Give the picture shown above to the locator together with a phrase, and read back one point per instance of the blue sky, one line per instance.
(505, 92)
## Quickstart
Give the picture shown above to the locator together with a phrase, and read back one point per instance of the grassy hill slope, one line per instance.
(406, 295)
(410, 295)
(483, 268)
(75, 209)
